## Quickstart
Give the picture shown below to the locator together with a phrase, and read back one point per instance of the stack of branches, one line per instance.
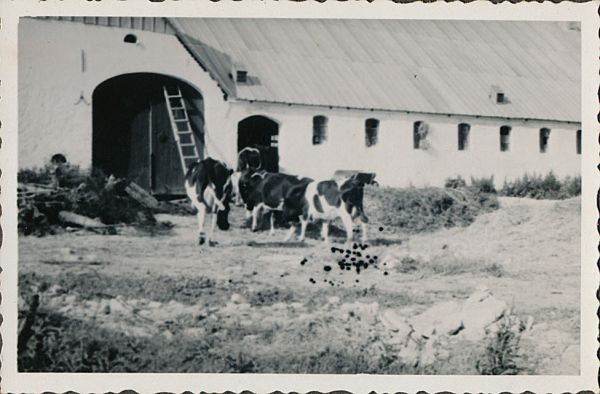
(98, 203)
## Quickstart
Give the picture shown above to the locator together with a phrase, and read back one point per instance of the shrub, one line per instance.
(483, 185)
(542, 187)
(417, 210)
(455, 183)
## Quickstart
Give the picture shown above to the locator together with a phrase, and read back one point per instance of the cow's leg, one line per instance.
(272, 230)
(255, 213)
(363, 227)
(325, 231)
(211, 231)
(303, 224)
(290, 233)
(200, 216)
(347, 221)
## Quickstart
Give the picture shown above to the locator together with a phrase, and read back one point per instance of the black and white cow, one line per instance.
(250, 160)
(326, 200)
(267, 191)
(209, 187)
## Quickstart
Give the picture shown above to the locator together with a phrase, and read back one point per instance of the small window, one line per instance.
(504, 138)
(241, 76)
(544, 138)
(463, 136)
(419, 134)
(130, 38)
(578, 141)
(371, 126)
(274, 140)
(319, 130)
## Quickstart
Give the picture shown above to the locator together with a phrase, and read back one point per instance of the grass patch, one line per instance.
(542, 187)
(449, 265)
(163, 288)
(417, 210)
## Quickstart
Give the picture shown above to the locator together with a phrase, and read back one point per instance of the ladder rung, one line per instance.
(173, 108)
(174, 96)
(187, 144)
(189, 157)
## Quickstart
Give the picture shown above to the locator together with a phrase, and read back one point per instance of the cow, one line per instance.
(256, 158)
(251, 159)
(325, 200)
(264, 190)
(209, 187)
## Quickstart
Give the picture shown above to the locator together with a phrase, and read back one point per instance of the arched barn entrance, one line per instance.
(260, 130)
(132, 134)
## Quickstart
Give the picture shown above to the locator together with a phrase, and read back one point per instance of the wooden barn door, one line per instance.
(132, 136)
(167, 175)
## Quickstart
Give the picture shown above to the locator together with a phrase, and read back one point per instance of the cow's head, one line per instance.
(247, 185)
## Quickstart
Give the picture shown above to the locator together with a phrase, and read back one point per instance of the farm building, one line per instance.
(414, 101)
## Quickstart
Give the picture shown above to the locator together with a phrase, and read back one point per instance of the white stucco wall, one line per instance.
(50, 119)
(394, 159)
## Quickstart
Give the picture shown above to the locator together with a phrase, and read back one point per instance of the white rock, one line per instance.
(441, 319)
(391, 259)
(398, 328)
(237, 299)
(117, 306)
(429, 353)
(478, 312)
(333, 300)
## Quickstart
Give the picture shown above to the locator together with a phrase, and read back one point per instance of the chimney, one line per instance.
(497, 95)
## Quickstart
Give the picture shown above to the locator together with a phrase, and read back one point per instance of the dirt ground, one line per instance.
(289, 307)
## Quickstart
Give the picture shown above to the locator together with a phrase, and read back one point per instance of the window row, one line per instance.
(420, 130)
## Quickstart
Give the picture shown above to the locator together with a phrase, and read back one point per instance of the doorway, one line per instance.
(260, 130)
(132, 136)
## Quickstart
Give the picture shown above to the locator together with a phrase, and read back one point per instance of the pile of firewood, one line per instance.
(100, 206)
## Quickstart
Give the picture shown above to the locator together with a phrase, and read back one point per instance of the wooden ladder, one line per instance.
(181, 126)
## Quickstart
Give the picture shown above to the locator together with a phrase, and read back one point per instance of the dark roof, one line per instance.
(441, 66)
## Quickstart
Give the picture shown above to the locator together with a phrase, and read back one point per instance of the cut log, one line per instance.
(140, 195)
(79, 220)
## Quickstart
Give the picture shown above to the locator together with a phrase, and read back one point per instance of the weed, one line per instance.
(501, 353)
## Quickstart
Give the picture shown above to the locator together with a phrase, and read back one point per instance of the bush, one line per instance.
(483, 185)
(455, 183)
(417, 210)
(542, 187)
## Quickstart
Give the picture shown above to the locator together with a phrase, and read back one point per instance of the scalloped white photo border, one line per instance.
(13, 381)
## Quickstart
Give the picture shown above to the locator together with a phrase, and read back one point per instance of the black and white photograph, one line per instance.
(325, 195)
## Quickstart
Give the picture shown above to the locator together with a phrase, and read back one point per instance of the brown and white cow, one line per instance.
(326, 200)
(209, 187)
